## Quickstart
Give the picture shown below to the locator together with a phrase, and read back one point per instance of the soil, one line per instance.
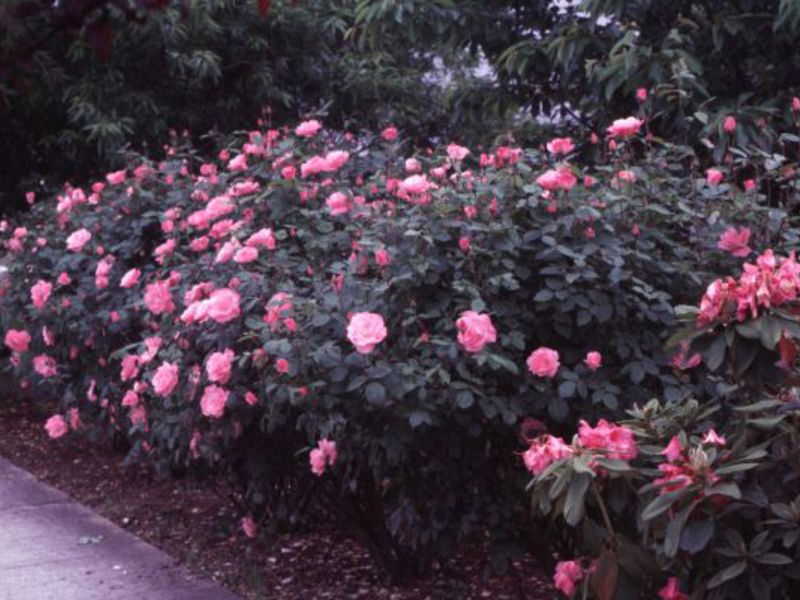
(196, 524)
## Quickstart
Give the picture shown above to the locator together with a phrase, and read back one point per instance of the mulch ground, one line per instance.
(198, 526)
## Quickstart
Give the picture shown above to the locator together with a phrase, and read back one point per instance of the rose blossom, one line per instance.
(78, 239)
(223, 305)
(475, 330)
(560, 146)
(18, 340)
(56, 426)
(543, 362)
(308, 128)
(218, 366)
(212, 404)
(593, 360)
(624, 127)
(338, 204)
(165, 379)
(45, 365)
(324, 454)
(735, 241)
(714, 176)
(130, 279)
(157, 298)
(365, 330)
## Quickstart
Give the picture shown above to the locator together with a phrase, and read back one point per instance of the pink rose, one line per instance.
(729, 124)
(212, 404)
(543, 362)
(18, 340)
(624, 127)
(56, 427)
(45, 365)
(382, 257)
(116, 177)
(40, 292)
(389, 134)
(557, 179)
(714, 176)
(338, 204)
(263, 238)
(245, 255)
(560, 146)
(475, 330)
(239, 163)
(130, 367)
(130, 279)
(593, 360)
(78, 239)
(323, 455)
(366, 330)
(456, 152)
(641, 94)
(416, 184)
(223, 305)
(165, 379)
(334, 160)
(218, 366)
(735, 241)
(158, 299)
(249, 527)
(308, 128)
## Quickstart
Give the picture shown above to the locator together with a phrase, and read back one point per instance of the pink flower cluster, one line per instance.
(772, 281)
(322, 456)
(687, 466)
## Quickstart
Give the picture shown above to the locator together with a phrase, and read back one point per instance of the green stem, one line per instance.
(603, 510)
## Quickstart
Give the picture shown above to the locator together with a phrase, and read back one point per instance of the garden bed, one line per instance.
(194, 522)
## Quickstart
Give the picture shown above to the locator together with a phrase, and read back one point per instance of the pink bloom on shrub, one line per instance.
(165, 379)
(45, 365)
(475, 330)
(289, 172)
(239, 163)
(212, 404)
(641, 94)
(456, 152)
(335, 160)
(729, 124)
(557, 179)
(617, 441)
(78, 239)
(416, 184)
(593, 360)
(130, 367)
(338, 204)
(672, 591)
(18, 340)
(389, 134)
(218, 366)
(464, 244)
(568, 574)
(382, 257)
(714, 176)
(323, 455)
(56, 427)
(544, 362)
(412, 165)
(263, 238)
(250, 398)
(249, 527)
(116, 177)
(223, 305)
(64, 279)
(40, 292)
(560, 146)
(158, 299)
(543, 452)
(282, 366)
(749, 185)
(674, 450)
(365, 331)
(245, 255)
(308, 128)
(712, 437)
(130, 279)
(735, 241)
(624, 127)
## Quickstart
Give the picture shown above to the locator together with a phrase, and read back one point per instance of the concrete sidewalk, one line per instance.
(52, 548)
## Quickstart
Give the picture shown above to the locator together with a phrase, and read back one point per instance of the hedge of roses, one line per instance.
(333, 322)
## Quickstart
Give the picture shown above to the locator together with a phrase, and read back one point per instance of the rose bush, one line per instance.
(327, 321)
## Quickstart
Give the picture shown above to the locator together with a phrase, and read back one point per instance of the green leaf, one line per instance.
(574, 503)
(662, 503)
(696, 535)
(731, 572)
(675, 528)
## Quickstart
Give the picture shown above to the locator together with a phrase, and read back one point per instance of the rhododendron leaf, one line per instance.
(714, 356)
(603, 581)
(558, 409)
(731, 572)
(770, 332)
(674, 529)
(614, 465)
(766, 423)
(728, 489)
(574, 502)
(696, 535)
(749, 330)
(662, 503)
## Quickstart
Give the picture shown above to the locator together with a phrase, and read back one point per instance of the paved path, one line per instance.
(52, 548)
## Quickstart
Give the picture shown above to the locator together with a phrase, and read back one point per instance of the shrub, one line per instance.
(325, 324)
(707, 499)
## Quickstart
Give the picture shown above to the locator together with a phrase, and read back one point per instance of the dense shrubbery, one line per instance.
(327, 322)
